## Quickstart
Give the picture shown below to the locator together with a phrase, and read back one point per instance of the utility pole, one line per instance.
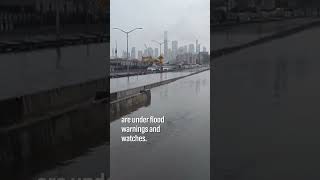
(127, 34)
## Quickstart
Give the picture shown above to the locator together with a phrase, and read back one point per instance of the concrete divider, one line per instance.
(82, 127)
(129, 104)
(129, 92)
(16, 110)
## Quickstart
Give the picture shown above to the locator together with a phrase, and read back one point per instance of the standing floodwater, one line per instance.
(265, 110)
(181, 149)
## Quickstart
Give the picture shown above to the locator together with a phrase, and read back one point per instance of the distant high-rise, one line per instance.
(180, 50)
(185, 49)
(197, 45)
(145, 52)
(133, 53)
(170, 56)
(174, 49)
(150, 51)
(191, 48)
(124, 54)
(156, 52)
(204, 49)
(166, 46)
(140, 55)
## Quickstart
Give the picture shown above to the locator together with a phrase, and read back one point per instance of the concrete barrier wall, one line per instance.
(130, 104)
(129, 92)
(56, 136)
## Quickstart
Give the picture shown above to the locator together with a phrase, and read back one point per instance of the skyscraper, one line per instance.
(191, 48)
(150, 51)
(166, 46)
(140, 55)
(156, 52)
(170, 57)
(174, 49)
(185, 49)
(204, 49)
(133, 53)
(197, 45)
(180, 50)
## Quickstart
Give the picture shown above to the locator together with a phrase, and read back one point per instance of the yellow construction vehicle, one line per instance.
(150, 60)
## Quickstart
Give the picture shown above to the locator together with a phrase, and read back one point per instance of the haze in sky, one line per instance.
(185, 20)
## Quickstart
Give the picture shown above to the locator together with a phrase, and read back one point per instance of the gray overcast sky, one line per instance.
(185, 21)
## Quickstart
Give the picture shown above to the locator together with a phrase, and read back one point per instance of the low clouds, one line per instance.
(185, 21)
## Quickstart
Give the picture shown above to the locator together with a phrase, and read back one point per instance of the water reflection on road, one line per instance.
(31, 72)
(235, 36)
(181, 150)
(265, 111)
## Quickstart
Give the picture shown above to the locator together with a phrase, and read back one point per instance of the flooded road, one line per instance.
(234, 36)
(266, 111)
(30, 72)
(170, 154)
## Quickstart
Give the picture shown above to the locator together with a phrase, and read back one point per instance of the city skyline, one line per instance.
(174, 49)
(185, 21)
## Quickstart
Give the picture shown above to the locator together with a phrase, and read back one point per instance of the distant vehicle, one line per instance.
(165, 69)
(152, 69)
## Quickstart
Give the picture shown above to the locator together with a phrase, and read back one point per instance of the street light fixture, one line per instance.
(127, 33)
(160, 43)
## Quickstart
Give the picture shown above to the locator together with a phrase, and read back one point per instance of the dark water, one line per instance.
(266, 111)
(31, 72)
(235, 36)
(170, 154)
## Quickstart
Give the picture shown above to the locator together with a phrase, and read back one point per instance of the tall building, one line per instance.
(197, 45)
(174, 49)
(185, 49)
(170, 55)
(133, 53)
(145, 52)
(180, 50)
(124, 54)
(166, 45)
(191, 48)
(150, 51)
(140, 55)
(204, 49)
(156, 52)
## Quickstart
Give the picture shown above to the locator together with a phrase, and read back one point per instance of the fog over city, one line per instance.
(185, 20)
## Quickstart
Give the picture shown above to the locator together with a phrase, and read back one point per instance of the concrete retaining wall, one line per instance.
(52, 136)
(129, 92)
(16, 109)
(127, 105)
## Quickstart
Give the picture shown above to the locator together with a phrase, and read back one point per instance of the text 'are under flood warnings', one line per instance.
(134, 129)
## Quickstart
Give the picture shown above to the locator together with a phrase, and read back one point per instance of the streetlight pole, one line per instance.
(127, 33)
(160, 44)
